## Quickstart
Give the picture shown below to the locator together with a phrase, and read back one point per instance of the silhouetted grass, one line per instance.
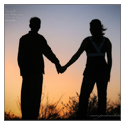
(10, 116)
(68, 111)
(50, 111)
(113, 109)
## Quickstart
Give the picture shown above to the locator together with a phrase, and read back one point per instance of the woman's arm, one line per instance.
(109, 56)
(76, 55)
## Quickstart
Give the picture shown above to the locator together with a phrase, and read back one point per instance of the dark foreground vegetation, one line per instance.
(68, 111)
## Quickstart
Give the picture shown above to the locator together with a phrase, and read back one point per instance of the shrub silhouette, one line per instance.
(113, 109)
(50, 111)
(10, 116)
(71, 107)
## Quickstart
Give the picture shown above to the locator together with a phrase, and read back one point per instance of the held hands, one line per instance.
(60, 69)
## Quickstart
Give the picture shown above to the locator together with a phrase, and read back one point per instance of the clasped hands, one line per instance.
(61, 69)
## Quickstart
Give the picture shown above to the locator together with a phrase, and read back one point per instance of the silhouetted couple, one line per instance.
(32, 46)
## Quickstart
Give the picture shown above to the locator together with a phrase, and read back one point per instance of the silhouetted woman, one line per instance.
(97, 69)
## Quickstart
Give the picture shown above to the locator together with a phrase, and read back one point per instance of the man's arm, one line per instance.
(19, 57)
(51, 56)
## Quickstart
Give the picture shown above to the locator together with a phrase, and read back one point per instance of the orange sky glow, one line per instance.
(64, 27)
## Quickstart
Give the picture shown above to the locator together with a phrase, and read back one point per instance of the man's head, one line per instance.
(35, 23)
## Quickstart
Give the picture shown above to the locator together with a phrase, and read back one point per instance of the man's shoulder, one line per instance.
(41, 36)
(29, 35)
(24, 36)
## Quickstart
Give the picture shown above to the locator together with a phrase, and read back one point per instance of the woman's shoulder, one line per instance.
(86, 42)
(87, 39)
(108, 43)
(106, 39)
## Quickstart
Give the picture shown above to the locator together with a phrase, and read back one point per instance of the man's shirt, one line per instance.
(32, 46)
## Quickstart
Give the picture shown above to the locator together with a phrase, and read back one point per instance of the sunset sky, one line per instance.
(64, 27)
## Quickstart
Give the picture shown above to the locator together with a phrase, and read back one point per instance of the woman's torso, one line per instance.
(96, 63)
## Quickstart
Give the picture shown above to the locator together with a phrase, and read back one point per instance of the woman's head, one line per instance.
(96, 28)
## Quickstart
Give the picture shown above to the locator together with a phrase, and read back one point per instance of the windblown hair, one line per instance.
(97, 26)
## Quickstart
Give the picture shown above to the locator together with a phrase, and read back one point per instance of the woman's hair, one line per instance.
(97, 27)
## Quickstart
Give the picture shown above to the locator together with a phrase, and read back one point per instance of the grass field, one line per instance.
(69, 110)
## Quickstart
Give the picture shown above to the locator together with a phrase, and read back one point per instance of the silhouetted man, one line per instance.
(32, 46)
